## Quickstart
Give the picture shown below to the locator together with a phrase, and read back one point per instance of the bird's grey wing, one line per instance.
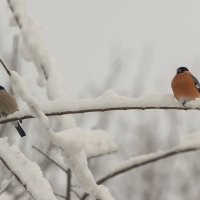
(197, 84)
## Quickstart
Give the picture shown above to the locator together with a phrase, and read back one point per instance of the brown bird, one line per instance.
(8, 105)
(185, 86)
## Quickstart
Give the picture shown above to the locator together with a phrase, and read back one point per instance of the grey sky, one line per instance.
(80, 35)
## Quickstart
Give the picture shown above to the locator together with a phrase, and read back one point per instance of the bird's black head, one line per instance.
(181, 70)
(2, 88)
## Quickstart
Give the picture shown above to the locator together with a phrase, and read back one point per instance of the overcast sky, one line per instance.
(82, 35)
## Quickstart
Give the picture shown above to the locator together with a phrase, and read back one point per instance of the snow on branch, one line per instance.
(99, 143)
(189, 143)
(109, 101)
(26, 172)
(71, 141)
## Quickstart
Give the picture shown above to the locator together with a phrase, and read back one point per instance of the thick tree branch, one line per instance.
(141, 161)
(65, 112)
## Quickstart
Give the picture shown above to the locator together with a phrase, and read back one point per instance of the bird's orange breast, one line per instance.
(183, 86)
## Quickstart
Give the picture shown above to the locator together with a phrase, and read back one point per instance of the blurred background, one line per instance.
(134, 48)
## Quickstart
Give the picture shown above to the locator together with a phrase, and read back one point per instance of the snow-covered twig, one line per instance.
(109, 101)
(67, 171)
(25, 171)
(72, 141)
(139, 161)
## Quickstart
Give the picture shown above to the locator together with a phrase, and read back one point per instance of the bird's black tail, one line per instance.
(20, 130)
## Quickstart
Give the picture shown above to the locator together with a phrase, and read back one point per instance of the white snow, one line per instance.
(74, 140)
(191, 140)
(99, 142)
(110, 100)
(19, 87)
(28, 172)
(71, 141)
(5, 183)
(194, 103)
(78, 164)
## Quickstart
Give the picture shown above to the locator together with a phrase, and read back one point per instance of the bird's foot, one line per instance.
(184, 103)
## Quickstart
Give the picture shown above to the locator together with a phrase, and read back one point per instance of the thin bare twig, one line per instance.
(69, 176)
(153, 159)
(15, 16)
(53, 161)
(59, 195)
(73, 191)
(6, 69)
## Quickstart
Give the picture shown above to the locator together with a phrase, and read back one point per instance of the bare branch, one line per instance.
(151, 159)
(75, 193)
(15, 16)
(63, 197)
(53, 161)
(69, 176)
(6, 69)
(59, 195)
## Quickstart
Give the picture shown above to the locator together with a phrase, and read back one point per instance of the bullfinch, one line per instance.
(8, 105)
(185, 86)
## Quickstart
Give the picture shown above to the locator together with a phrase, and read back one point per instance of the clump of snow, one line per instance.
(78, 164)
(109, 94)
(19, 86)
(103, 193)
(71, 141)
(193, 104)
(191, 140)
(104, 102)
(28, 172)
(99, 143)
(33, 48)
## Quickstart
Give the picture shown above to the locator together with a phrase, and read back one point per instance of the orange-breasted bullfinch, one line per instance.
(8, 105)
(185, 86)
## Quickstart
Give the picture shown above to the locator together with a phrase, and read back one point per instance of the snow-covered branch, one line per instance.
(144, 160)
(189, 144)
(25, 171)
(72, 141)
(109, 101)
